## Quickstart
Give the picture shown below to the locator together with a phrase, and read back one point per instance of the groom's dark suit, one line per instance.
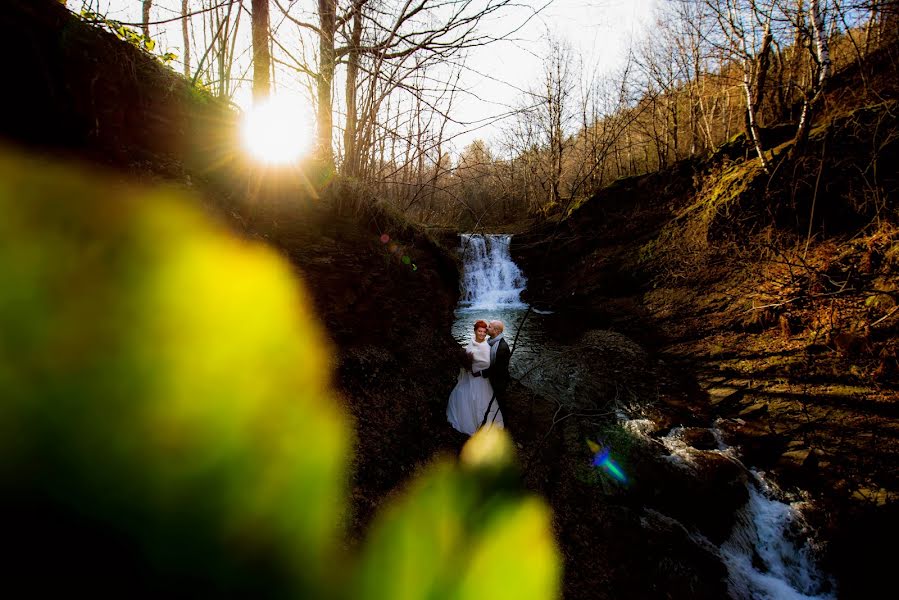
(498, 373)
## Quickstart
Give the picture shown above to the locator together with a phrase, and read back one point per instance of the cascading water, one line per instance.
(491, 289)
(770, 553)
(490, 279)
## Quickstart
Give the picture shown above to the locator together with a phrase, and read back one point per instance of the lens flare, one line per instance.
(603, 460)
(277, 131)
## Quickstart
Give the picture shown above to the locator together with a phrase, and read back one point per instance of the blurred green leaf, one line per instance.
(167, 426)
(166, 380)
(463, 531)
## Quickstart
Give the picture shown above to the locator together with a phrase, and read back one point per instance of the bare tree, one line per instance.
(553, 114)
(352, 158)
(185, 36)
(262, 62)
(436, 30)
(744, 33)
(664, 76)
(820, 52)
(146, 5)
(220, 28)
(605, 117)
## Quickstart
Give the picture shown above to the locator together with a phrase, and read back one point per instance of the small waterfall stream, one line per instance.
(770, 553)
(491, 289)
(490, 280)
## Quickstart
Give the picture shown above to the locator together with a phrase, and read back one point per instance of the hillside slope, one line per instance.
(772, 301)
(104, 102)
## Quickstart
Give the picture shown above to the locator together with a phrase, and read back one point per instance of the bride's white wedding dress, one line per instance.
(469, 399)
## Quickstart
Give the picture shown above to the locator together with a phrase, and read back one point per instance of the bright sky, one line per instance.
(598, 30)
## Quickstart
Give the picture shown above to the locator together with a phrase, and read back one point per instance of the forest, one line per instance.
(237, 254)
(381, 82)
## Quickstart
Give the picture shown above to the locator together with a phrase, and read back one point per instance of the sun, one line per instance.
(277, 131)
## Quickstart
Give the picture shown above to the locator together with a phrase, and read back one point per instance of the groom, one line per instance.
(498, 371)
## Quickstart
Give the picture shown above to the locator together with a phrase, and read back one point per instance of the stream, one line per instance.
(771, 551)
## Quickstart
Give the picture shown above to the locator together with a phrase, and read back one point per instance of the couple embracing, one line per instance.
(478, 398)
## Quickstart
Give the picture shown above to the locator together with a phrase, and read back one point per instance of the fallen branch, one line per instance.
(884, 317)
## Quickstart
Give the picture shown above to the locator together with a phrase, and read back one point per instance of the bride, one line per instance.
(469, 399)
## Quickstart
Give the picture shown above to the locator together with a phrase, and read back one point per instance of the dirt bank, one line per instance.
(387, 305)
(790, 349)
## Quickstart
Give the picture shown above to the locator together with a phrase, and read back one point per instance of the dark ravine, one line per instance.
(390, 330)
(777, 397)
(387, 322)
(107, 104)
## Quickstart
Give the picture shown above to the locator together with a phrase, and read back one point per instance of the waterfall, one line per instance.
(490, 279)
(770, 554)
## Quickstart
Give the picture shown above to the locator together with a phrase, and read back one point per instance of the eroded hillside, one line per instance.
(772, 299)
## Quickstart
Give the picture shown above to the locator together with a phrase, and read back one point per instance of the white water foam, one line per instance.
(490, 279)
(683, 454)
(770, 554)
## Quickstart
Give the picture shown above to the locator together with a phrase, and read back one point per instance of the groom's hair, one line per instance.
(498, 326)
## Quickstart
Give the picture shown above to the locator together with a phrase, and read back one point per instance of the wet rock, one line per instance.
(689, 568)
(764, 450)
(702, 490)
(798, 467)
(857, 537)
(722, 396)
(631, 552)
(877, 497)
(796, 459)
(699, 438)
(617, 343)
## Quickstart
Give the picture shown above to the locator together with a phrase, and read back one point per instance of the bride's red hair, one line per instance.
(480, 323)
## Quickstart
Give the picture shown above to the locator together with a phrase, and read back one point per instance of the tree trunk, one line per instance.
(186, 36)
(350, 135)
(327, 56)
(761, 75)
(752, 127)
(262, 60)
(754, 96)
(145, 21)
(675, 124)
(821, 54)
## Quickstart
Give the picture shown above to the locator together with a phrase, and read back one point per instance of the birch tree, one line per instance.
(820, 53)
(744, 34)
(185, 36)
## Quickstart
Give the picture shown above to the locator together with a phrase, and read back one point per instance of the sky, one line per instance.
(599, 31)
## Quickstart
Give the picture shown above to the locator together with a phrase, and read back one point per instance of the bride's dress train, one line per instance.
(469, 399)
